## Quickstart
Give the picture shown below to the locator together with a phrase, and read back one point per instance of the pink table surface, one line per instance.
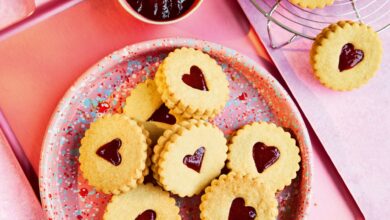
(39, 64)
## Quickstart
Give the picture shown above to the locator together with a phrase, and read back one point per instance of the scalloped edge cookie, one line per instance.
(168, 143)
(219, 195)
(174, 92)
(144, 197)
(325, 53)
(240, 154)
(89, 163)
(312, 4)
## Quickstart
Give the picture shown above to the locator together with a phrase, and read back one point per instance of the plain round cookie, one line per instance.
(184, 99)
(312, 3)
(191, 141)
(144, 104)
(114, 177)
(144, 198)
(218, 198)
(326, 51)
(277, 174)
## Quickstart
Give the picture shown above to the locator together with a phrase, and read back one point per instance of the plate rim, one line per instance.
(175, 42)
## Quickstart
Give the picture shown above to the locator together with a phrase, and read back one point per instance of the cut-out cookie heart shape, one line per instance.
(349, 57)
(238, 210)
(110, 152)
(147, 215)
(195, 79)
(264, 156)
(162, 115)
(195, 161)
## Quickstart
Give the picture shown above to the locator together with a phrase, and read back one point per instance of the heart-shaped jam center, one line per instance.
(264, 156)
(195, 79)
(195, 161)
(110, 152)
(238, 210)
(162, 115)
(349, 57)
(147, 215)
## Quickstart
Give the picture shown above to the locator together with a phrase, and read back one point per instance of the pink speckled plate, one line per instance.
(255, 96)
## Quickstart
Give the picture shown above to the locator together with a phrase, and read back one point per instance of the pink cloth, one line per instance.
(354, 127)
(18, 200)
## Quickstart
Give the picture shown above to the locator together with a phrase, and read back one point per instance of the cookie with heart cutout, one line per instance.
(188, 156)
(266, 151)
(192, 84)
(237, 196)
(312, 3)
(346, 55)
(144, 202)
(113, 154)
(144, 104)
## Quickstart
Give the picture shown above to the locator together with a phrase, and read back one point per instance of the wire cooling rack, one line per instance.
(307, 23)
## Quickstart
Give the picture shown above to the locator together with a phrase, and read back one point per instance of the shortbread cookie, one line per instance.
(192, 84)
(189, 157)
(346, 55)
(234, 196)
(312, 3)
(144, 202)
(113, 154)
(265, 151)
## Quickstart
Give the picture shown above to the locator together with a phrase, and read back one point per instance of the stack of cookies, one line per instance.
(164, 126)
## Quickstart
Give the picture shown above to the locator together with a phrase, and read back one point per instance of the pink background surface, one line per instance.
(354, 126)
(39, 64)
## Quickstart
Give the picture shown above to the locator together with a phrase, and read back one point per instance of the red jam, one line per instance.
(195, 79)
(349, 57)
(238, 210)
(264, 156)
(110, 152)
(161, 10)
(147, 215)
(162, 115)
(195, 161)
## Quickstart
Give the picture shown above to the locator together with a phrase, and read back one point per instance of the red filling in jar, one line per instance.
(161, 10)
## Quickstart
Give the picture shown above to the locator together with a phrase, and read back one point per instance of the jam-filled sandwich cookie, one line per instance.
(312, 3)
(265, 151)
(192, 84)
(144, 202)
(188, 157)
(144, 104)
(235, 196)
(113, 154)
(346, 55)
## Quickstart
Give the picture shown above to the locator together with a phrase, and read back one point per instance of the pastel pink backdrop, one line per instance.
(39, 64)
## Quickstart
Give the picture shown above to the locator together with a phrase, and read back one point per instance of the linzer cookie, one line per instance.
(113, 154)
(312, 3)
(265, 151)
(145, 105)
(235, 196)
(189, 157)
(346, 55)
(144, 202)
(192, 84)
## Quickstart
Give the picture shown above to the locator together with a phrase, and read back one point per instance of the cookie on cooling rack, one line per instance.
(188, 156)
(346, 55)
(144, 202)
(265, 151)
(312, 3)
(235, 196)
(192, 84)
(114, 154)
